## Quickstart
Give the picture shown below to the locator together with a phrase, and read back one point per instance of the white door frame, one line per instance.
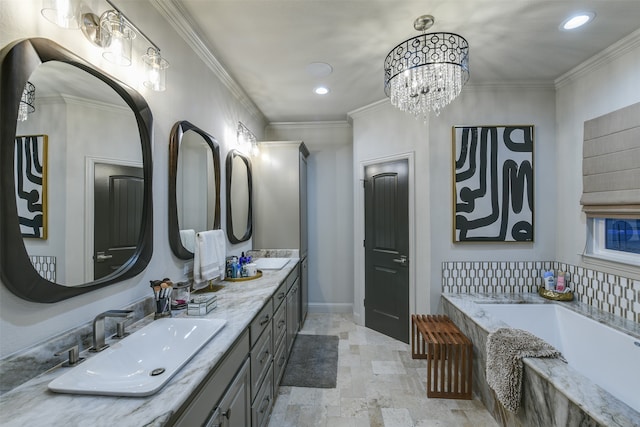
(359, 276)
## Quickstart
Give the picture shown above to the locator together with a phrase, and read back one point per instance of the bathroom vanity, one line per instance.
(231, 381)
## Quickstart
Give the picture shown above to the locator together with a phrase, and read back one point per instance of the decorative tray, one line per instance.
(555, 296)
(243, 279)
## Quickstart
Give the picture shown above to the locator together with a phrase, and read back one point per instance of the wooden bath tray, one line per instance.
(243, 279)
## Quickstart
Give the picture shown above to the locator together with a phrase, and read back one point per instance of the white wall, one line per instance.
(606, 83)
(381, 131)
(493, 106)
(330, 205)
(193, 93)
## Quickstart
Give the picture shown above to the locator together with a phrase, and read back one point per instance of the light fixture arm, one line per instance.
(128, 21)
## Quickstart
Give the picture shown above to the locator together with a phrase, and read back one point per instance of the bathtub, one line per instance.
(597, 387)
(604, 355)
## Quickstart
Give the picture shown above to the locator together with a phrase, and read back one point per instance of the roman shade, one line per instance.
(611, 164)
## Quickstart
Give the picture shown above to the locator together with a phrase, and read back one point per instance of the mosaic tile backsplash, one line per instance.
(610, 292)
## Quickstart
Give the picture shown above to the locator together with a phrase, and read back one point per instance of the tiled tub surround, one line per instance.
(616, 294)
(553, 393)
(32, 403)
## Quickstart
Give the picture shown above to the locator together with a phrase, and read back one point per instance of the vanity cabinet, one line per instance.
(241, 390)
(234, 409)
(201, 409)
(293, 313)
(280, 204)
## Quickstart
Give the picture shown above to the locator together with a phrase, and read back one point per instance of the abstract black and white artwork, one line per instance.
(493, 183)
(31, 185)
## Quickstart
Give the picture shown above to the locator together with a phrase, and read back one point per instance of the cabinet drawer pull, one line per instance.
(281, 324)
(265, 320)
(281, 361)
(264, 357)
(281, 296)
(265, 404)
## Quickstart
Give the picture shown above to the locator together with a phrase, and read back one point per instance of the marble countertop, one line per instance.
(33, 404)
(598, 403)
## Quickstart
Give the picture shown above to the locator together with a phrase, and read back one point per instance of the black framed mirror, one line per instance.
(52, 67)
(194, 186)
(239, 195)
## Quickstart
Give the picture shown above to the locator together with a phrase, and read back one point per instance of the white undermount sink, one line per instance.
(142, 363)
(270, 263)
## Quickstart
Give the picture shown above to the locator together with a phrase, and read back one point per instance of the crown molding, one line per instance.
(337, 124)
(174, 12)
(616, 50)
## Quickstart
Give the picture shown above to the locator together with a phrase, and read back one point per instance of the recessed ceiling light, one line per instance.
(321, 90)
(577, 21)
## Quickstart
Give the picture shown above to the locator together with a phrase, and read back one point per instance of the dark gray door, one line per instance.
(387, 248)
(118, 196)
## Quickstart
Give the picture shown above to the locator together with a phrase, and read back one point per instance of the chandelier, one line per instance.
(425, 73)
(27, 102)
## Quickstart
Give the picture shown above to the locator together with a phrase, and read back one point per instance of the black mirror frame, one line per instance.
(19, 60)
(229, 165)
(175, 139)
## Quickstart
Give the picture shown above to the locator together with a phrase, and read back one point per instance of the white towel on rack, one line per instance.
(209, 256)
(188, 238)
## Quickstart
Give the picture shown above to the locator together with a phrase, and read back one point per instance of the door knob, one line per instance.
(402, 260)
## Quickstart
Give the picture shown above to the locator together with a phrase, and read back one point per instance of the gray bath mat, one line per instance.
(313, 362)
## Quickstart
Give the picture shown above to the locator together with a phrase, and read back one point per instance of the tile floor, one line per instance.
(378, 385)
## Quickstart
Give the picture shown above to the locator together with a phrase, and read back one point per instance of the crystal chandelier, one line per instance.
(426, 72)
(27, 101)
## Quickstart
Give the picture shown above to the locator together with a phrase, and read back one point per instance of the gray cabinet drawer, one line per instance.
(261, 407)
(280, 295)
(291, 277)
(279, 325)
(279, 363)
(260, 322)
(261, 357)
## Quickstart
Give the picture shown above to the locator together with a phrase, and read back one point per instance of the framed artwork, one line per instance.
(31, 184)
(493, 183)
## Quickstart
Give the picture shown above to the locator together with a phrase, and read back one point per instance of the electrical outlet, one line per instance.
(187, 268)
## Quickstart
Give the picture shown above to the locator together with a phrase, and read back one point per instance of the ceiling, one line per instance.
(266, 45)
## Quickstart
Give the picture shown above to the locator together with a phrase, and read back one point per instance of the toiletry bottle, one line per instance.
(549, 282)
(560, 285)
(237, 270)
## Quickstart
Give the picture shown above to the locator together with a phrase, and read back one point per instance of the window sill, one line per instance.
(612, 263)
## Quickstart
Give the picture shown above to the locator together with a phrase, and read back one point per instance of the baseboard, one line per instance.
(330, 308)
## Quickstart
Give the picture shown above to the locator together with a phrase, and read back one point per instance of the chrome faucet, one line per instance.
(98, 327)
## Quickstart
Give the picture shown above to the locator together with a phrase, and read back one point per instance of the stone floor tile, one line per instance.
(378, 385)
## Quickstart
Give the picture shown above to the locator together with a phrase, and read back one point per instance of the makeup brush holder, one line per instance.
(163, 308)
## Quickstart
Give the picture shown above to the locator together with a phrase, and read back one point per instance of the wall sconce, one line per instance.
(63, 13)
(113, 32)
(245, 136)
(117, 38)
(155, 67)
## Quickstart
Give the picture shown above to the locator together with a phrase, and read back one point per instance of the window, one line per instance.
(614, 239)
(611, 185)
